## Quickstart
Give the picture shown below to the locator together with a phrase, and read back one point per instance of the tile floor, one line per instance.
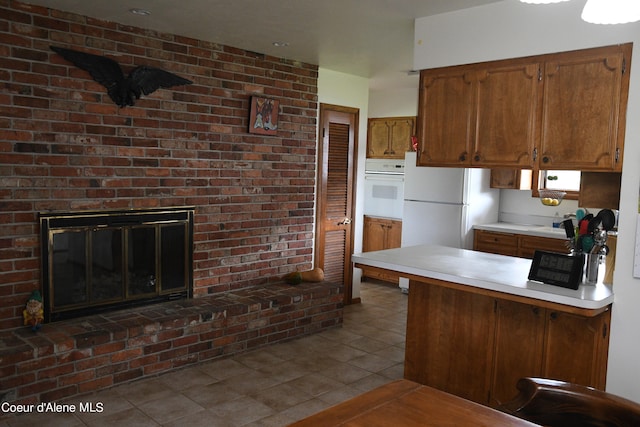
(272, 386)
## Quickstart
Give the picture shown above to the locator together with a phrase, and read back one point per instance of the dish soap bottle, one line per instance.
(557, 220)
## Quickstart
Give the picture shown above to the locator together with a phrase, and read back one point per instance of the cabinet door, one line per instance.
(584, 109)
(495, 243)
(576, 348)
(378, 138)
(450, 340)
(514, 179)
(374, 234)
(519, 345)
(529, 244)
(445, 118)
(402, 129)
(508, 100)
(394, 234)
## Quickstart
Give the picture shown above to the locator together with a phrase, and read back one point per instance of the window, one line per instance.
(560, 180)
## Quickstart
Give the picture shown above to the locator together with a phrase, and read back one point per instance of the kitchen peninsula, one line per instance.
(476, 324)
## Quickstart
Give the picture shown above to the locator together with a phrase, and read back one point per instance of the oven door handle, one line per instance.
(384, 177)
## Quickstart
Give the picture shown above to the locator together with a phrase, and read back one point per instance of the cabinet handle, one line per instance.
(536, 310)
(463, 157)
(476, 157)
(605, 330)
(545, 159)
(617, 155)
(554, 315)
(535, 154)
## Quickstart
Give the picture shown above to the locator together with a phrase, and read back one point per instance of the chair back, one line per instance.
(561, 404)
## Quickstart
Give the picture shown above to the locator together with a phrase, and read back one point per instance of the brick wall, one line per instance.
(64, 145)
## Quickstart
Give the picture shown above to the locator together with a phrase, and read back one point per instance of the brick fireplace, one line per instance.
(66, 147)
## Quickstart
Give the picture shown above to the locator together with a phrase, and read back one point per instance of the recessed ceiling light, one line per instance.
(280, 44)
(141, 12)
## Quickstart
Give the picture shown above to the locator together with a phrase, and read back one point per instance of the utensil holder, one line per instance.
(591, 264)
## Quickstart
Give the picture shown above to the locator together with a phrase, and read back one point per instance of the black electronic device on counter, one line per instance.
(557, 269)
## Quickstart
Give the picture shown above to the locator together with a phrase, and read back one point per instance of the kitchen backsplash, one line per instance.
(519, 207)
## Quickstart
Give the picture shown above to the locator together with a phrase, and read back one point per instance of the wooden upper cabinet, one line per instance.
(390, 137)
(584, 109)
(557, 111)
(445, 116)
(508, 99)
(479, 115)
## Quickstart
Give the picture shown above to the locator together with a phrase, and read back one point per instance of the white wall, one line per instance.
(350, 91)
(511, 29)
(396, 102)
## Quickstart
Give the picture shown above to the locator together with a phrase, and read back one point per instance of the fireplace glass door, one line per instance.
(107, 262)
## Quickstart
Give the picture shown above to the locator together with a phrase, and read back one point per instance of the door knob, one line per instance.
(345, 221)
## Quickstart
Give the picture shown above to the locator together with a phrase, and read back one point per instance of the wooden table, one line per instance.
(404, 403)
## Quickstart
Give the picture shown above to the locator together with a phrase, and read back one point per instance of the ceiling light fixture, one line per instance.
(611, 11)
(140, 12)
(604, 11)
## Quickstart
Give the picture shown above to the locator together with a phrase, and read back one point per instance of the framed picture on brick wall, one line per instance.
(263, 118)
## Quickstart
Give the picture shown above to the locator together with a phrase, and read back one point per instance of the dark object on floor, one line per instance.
(122, 90)
(560, 404)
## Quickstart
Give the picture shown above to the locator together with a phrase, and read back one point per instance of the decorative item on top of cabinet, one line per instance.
(390, 137)
(379, 234)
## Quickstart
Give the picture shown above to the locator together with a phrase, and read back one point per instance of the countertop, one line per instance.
(530, 230)
(483, 270)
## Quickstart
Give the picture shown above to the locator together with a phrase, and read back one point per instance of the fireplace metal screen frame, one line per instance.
(52, 223)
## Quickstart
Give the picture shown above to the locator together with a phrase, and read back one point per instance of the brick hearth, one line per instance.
(81, 355)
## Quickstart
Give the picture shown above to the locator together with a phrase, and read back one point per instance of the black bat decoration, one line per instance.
(122, 90)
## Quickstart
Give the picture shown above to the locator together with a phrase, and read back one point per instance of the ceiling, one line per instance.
(367, 38)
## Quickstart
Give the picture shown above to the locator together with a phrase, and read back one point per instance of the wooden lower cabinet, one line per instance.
(527, 245)
(449, 340)
(519, 347)
(512, 244)
(495, 243)
(477, 344)
(378, 234)
(576, 348)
